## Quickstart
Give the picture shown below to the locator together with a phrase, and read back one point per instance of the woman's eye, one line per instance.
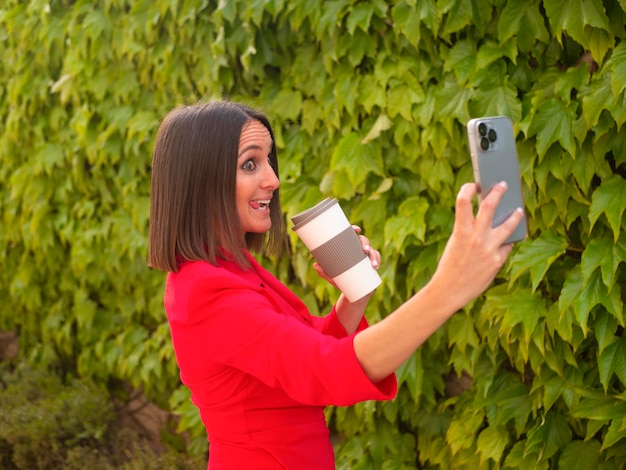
(249, 165)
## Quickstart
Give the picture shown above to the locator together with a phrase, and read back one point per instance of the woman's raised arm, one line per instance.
(473, 256)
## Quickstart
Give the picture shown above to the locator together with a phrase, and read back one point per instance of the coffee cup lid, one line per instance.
(309, 214)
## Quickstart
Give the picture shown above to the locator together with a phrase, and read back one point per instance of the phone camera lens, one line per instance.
(482, 129)
(484, 143)
(493, 136)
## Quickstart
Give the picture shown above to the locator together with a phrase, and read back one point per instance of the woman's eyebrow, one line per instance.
(249, 147)
(254, 147)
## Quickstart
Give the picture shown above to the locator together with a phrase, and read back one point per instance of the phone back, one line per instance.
(494, 159)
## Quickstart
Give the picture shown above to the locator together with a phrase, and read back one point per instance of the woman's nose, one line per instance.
(270, 179)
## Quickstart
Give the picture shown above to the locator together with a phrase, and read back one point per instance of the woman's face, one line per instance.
(256, 179)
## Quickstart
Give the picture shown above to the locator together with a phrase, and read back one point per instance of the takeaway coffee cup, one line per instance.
(331, 239)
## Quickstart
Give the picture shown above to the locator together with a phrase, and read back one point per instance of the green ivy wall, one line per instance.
(369, 100)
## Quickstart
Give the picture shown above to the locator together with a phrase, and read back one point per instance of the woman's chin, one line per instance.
(259, 229)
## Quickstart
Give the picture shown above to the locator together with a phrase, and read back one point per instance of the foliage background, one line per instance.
(369, 100)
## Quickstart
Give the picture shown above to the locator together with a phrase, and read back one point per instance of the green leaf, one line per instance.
(228, 9)
(331, 17)
(512, 403)
(360, 17)
(461, 432)
(598, 98)
(593, 13)
(583, 296)
(346, 91)
(406, 19)
(553, 123)
(436, 137)
(460, 14)
(523, 19)
(62, 84)
(594, 427)
(573, 15)
(85, 308)
(358, 159)
(604, 254)
(517, 459)
(49, 157)
(400, 100)
(583, 171)
(142, 124)
(411, 372)
(510, 19)
(536, 256)
(451, 102)
(287, 104)
(599, 407)
(371, 94)
(618, 112)
(95, 23)
(518, 307)
(615, 433)
(371, 214)
(462, 333)
(429, 14)
(410, 220)
(560, 322)
(580, 455)
(617, 66)
(612, 360)
(462, 60)
(490, 55)
(440, 173)
(549, 435)
(491, 444)
(361, 45)
(382, 124)
(605, 327)
(553, 387)
(342, 186)
(609, 199)
(498, 100)
(599, 43)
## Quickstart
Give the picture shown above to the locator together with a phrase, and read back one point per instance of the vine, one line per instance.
(369, 100)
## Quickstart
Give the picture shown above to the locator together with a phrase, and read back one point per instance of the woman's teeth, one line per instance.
(260, 205)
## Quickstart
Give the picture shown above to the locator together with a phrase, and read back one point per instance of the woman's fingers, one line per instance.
(465, 221)
(476, 251)
(487, 208)
(464, 218)
(372, 254)
(506, 228)
(321, 273)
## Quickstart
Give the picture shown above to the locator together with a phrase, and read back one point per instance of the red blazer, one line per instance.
(260, 367)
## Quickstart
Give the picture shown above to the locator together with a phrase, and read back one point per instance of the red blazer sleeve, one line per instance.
(227, 320)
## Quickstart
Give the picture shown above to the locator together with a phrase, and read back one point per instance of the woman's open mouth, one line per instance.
(260, 205)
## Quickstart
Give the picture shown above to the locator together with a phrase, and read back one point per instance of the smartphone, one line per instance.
(494, 159)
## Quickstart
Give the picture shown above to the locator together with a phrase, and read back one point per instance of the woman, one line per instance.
(260, 368)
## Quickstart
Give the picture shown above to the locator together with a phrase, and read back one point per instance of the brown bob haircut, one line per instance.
(193, 214)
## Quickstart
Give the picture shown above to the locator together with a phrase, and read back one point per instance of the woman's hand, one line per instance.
(473, 256)
(475, 251)
(351, 313)
(372, 254)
